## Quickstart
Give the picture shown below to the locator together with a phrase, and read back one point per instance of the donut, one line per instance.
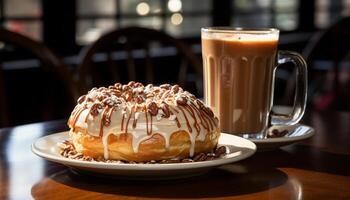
(133, 122)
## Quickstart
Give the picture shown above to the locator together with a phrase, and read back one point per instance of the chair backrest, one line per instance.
(51, 65)
(331, 43)
(4, 121)
(330, 47)
(324, 53)
(137, 47)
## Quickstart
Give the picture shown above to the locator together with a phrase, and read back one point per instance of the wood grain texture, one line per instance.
(314, 169)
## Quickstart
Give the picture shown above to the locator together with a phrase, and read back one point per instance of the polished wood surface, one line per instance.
(318, 168)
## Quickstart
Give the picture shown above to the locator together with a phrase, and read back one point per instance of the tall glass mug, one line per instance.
(239, 72)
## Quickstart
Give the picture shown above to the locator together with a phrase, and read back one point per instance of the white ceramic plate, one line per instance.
(238, 149)
(296, 133)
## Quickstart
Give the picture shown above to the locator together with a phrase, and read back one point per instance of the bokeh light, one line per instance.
(174, 5)
(142, 8)
(176, 19)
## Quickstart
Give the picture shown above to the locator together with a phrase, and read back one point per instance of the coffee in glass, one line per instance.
(239, 68)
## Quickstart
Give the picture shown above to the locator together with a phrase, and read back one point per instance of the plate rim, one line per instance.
(144, 167)
(309, 133)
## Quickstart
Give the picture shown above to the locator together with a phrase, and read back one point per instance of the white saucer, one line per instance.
(296, 133)
(238, 149)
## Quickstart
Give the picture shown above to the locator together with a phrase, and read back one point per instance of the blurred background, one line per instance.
(31, 92)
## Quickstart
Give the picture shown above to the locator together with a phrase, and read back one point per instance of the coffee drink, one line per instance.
(239, 69)
(238, 78)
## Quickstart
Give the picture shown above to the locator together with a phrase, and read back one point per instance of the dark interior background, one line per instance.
(66, 26)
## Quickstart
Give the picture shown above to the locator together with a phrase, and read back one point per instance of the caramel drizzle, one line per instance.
(202, 119)
(175, 110)
(208, 119)
(127, 122)
(187, 122)
(87, 116)
(76, 115)
(106, 116)
(176, 119)
(135, 121)
(177, 122)
(151, 125)
(211, 120)
(103, 116)
(109, 115)
(122, 125)
(74, 111)
(195, 123)
(146, 113)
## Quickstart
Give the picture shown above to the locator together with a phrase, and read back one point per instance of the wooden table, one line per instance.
(318, 168)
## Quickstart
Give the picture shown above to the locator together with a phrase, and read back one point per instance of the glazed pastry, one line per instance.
(141, 123)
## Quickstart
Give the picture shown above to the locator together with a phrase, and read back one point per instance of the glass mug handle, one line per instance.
(300, 89)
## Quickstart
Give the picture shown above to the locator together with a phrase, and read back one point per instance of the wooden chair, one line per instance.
(326, 90)
(137, 46)
(331, 45)
(4, 121)
(52, 66)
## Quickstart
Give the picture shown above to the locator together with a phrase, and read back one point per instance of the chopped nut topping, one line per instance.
(116, 92)
(165, 109)
(68, 150)
(155, 98)
(131, 83)
(112, 87)
(128, 96)
(175, 88)
(95, 109)
(139, 99)
(110, 102)
(81, 99)
(276, 133)
(152, 108)
(181, 100)
(220, 151)
(165, 86)
(118, 86)
(126, 88)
